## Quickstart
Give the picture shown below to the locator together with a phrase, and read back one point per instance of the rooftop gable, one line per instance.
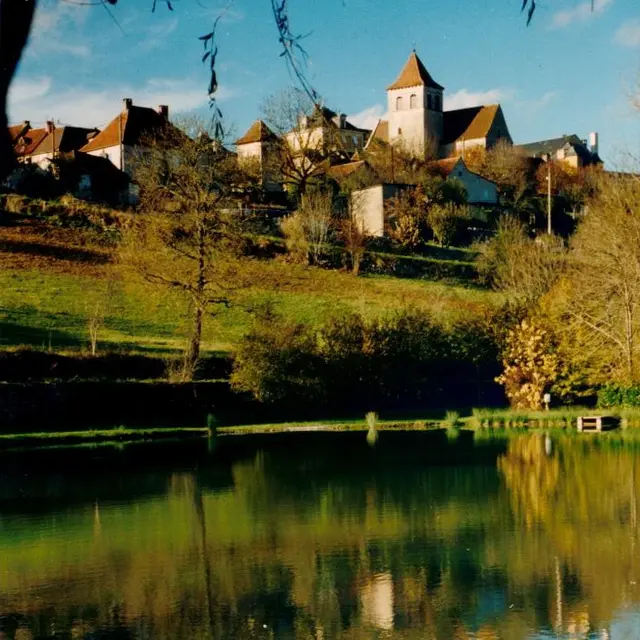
(414, 74)
(257, 132)
(129, 127)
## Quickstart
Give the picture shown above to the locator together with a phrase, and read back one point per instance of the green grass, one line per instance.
(50, 310)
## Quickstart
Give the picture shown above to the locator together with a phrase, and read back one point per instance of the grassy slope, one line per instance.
(51, 281)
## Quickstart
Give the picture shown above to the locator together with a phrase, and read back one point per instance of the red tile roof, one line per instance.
(65, 139)
(28, 142)
(468, 124)
(129, 127)
(414, 74)
(257, 132)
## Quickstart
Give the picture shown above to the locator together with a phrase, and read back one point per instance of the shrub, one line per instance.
(399, 361)
(619, 396)
(447, 221)
(406, 216)
(295, 238)
(531, 365)
(276, 360)
(451, 420)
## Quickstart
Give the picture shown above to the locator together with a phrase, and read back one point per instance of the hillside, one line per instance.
(53, 279)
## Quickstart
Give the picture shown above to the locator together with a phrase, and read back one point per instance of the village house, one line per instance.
(122, 138)
(370, 205)
(260, 146)
(481, 192)
(569, 149)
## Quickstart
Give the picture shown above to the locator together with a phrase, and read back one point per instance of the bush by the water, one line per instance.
(403, 361)
(618, 396)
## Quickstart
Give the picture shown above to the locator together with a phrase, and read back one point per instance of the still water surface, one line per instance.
(318, 536)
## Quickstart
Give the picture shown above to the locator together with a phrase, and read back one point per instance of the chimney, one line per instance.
(343, 120)
(593, 141)
(163, 110)
(127, 103)
(27, 124)
(49, 126)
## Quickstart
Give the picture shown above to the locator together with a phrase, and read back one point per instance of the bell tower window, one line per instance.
(428, 101)
(436, 103)
(413, 101)
(399, 103)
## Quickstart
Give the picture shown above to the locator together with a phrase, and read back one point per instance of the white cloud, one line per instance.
(628, 35)
(580, 13)
(368, 118)
(38, 99)
(30, 89)
(536, 104)
(51, 23)
(464, 98)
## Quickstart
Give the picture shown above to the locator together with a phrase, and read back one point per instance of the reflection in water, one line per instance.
(416, 538)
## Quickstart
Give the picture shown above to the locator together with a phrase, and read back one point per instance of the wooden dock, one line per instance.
(597, 423)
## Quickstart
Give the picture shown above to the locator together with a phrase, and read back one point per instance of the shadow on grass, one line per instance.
(13, 334)
(41, 250)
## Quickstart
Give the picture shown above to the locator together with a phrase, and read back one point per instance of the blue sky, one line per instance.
(571, 71)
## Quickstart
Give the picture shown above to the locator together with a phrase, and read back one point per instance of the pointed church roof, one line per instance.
(257, 132)
(414, 74)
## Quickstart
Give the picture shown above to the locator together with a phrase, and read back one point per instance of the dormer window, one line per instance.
(399, 103)
(413, 101)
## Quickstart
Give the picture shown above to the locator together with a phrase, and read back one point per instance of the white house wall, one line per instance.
(368, 210)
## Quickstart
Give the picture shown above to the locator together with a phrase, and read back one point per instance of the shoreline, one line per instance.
(502, 423)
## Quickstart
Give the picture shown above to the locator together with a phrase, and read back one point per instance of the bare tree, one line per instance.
(355, 240)
(308, 229)
(523, 268)
(188, 237)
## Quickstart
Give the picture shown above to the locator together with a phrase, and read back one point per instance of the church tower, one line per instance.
(415, 109)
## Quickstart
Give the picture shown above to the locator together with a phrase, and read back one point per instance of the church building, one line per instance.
(418, 122)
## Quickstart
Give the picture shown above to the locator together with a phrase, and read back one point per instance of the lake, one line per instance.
(320, 536)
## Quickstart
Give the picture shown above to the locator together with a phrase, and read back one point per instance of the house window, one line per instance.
(436, 103)
(429, 101)
(399, 132)
(399, 103)
(355, 140)
(413, 101)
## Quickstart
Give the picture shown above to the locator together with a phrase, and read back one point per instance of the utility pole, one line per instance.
(549, 197)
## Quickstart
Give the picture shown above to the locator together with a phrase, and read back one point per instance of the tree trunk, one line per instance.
(16, 17)
(192, 354)
(193, 350)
